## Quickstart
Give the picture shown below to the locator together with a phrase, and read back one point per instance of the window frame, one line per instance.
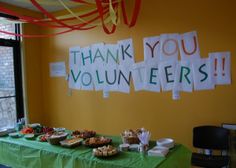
(17, 62)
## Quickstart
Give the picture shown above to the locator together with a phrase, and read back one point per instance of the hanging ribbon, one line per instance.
(47, 35)
(51, 16)
(108, 11)
(81, 14)
(78, 17)
(50, 2)
(112, 13)
(92, 1)
(81, 1)
(37, 21)
(136, 10)
(100, 11)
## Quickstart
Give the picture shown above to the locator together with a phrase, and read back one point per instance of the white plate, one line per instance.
(158, 151)
(59, 129)
(166, 142)
(75, 143)
(15, 135)
(34, 125)
(3, 132)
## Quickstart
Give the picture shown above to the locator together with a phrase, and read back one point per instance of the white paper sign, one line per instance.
(202, 74)
(188, 46)
(152, 81)
(110, 67)
(183, 77)
(126, 52)
(169, 47)
(57, 69)
(151, 47)
(138, 75)
(220, 67)
(167, 74)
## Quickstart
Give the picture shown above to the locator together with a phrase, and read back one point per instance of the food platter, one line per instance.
(3, 132)
(30, 136)
(105, 151)
(56, 137)
(83, 133)
(97, 141)
(72, 142)
(44, 137)
(15, 135)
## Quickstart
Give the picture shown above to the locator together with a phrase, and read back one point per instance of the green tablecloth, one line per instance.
(22, 153)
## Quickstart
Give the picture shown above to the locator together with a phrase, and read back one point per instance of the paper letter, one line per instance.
(202, 74)
(75, 56)
(124, 78)
(151, 47)
(169, 47)
(86, 79)
(183, 77)
(98, 73)
(75, 73)
(138, 75)
(98, 54)
(111, 78)
(112, 55)
(126, 52)
(188, 46)
(167, 74)
(220, 67)
(152, 80)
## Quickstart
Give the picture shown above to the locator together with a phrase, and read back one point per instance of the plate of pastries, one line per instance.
(97, 141)
(83, 133)
(105, 151)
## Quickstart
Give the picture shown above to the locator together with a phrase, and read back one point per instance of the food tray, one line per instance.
(83, 134)
(97, 142)
(72, 142)
(130, 139)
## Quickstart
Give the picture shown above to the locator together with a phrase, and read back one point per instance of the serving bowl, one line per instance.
(55, 138)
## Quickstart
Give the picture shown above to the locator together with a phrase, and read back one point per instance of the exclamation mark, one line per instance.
(215, 74)
(223, 66)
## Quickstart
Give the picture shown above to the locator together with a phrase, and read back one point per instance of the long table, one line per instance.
(23, 153)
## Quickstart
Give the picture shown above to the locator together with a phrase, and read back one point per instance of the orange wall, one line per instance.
(32, 50)
(215, 23)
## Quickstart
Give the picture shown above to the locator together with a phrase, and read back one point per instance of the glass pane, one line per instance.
(8, 26)
(7, 112)
(7, 80)
(7, 88)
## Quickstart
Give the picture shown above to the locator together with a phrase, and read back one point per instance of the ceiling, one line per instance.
(49, 5)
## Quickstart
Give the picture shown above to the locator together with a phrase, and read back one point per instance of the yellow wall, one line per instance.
(215, 23)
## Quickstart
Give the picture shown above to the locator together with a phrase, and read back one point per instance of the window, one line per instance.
(11, 97)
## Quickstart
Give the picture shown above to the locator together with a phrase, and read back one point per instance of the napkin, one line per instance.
(144, 137)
